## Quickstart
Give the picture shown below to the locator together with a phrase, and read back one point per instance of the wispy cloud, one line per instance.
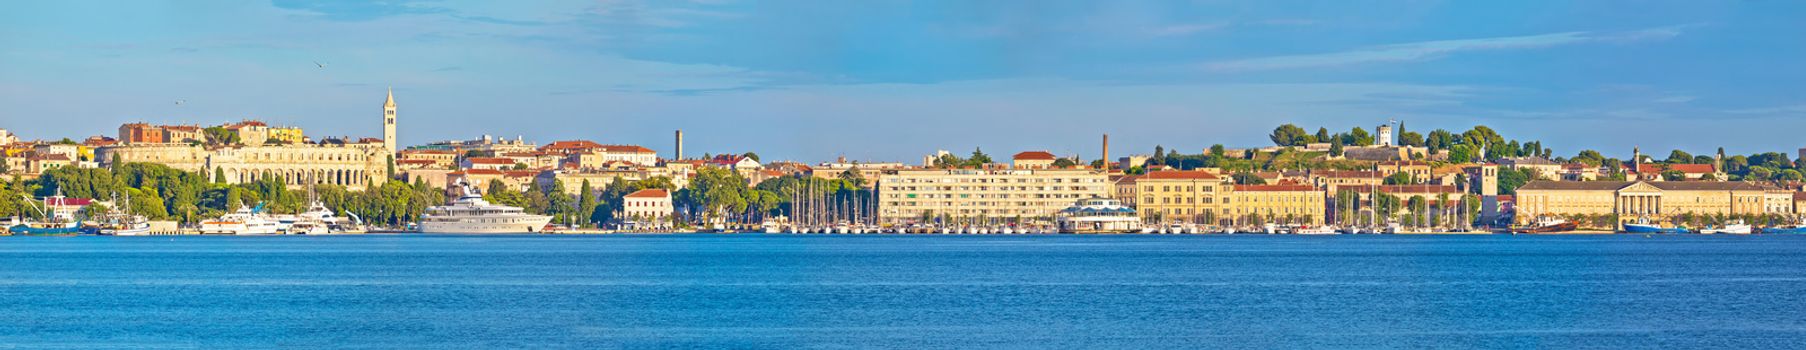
(1429, 50)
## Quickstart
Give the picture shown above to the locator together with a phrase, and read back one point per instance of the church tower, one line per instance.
(389, 123)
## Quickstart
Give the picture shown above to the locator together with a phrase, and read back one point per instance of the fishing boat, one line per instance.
(1314, 230)
(1734, 227)
(1644, 226)
(123, 222)
(1547, 224)
(59, 218)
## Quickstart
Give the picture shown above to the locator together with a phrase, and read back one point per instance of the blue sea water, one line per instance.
(783, 292)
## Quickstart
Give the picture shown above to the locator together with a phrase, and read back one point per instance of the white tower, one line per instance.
(1384, 137)
(389, 122)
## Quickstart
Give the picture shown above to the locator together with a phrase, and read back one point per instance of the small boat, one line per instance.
(1547, 224)
(1317, 230)
(1734, 227)
(1786, 229)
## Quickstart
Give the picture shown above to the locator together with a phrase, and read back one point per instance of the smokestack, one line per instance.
(680, 145)
(1106, 152)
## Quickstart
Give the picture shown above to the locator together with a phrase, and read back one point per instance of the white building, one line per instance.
(648, 205)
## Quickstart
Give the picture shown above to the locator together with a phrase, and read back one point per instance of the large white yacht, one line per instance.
(245, 221)
(469, 213)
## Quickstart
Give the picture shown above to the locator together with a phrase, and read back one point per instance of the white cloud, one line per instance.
(1427, 50)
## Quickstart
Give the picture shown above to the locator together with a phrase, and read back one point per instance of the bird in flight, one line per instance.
(179, 102)
(322, 65)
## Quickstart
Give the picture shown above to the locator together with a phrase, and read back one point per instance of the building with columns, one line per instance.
(1656, 200)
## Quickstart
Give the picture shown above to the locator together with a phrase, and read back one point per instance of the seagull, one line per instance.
(179, 102)
(322, 65)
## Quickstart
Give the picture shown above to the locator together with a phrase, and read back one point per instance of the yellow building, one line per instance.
(1660, 201)
(1292, 204)
(1193, 196)
(911, 194)
(287, 134)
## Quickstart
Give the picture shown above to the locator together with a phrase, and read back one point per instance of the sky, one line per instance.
(894, 80)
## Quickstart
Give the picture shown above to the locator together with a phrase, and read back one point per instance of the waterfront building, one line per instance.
(7, 138)
(1292, 204)
(1033, 160)
(647, 207)
(1124, 188)
(1191, 196)
(907, 195)
(1656, 200)
(333, 161)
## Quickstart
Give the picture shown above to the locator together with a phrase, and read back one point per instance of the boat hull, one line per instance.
(535, 224)
(1556, 228)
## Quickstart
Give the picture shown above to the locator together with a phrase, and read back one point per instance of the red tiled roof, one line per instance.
(520, 173)
(414, 161)
(489, 160)
(649, 193)
(190, 128)
(1035, 155)
(1274, 188)
(477, 172)
(572, 145)
(626, 148)
(1192, 174)
(1653, 168)
(427, 151)
(1799, 196)
(1347, 173)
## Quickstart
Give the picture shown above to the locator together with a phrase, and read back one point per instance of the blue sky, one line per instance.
(892, 80)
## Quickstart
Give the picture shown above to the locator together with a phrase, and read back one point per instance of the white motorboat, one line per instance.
(1734, 227)
(244, 221)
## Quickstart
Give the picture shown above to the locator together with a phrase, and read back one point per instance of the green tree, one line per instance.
(1247, 178)
(753, 156)
(1322, 134)
(1511, 179)
(1679, 157)
(1399, 178)
(1289, 135)
(586, 202)
(1064, 163)
(1589, 157)
(978, 158)
(1410, 138)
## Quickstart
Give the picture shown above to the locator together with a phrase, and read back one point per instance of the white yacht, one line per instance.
(317, 220)
(469, 213)
(245, 221)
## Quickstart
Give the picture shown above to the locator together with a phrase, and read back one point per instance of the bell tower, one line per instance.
(389, 122)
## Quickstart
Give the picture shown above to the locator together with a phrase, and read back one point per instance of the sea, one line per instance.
(758, 291)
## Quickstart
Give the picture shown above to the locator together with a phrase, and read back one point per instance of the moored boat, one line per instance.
(1547, 224)
(469, 213)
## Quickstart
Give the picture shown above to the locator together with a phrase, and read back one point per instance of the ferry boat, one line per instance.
(469, 213)
(1547, 224)
(59, 218)
(245, 221)
(1098, 215)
